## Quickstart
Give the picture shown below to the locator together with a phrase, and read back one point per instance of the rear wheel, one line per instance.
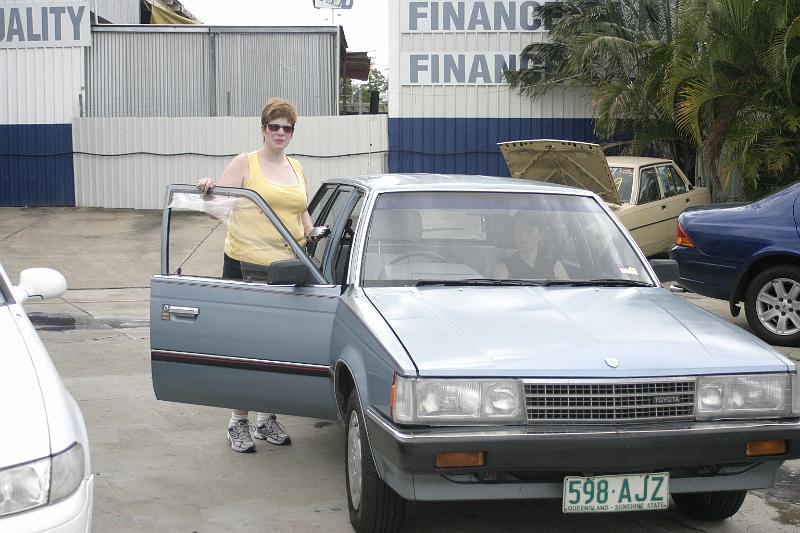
(373, 505)
(710, 506)
(772, 305)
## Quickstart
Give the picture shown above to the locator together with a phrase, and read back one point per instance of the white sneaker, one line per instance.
(238, 436)
(272, 431)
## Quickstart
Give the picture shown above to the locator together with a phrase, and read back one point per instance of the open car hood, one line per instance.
(570, 163)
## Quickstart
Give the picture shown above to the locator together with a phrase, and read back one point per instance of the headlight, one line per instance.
(453, 401)
(746, 396)
(24, 487)
(41, 482)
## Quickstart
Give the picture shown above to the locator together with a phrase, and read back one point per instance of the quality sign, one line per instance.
(35, 24)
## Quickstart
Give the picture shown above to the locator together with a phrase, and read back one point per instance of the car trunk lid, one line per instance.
(576, 164)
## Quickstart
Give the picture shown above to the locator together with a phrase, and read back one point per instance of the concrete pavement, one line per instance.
(166, 467)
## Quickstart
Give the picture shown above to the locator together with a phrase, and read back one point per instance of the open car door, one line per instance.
(572, 163)
(260, 343)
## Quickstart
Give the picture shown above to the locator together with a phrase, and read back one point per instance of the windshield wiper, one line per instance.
(484, 282)
(602, 282)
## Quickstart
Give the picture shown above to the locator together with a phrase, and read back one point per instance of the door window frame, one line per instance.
(233, 192)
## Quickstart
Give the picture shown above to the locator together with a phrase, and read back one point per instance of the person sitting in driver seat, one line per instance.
(532, 260)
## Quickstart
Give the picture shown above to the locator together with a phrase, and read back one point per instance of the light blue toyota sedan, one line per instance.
(479, 338)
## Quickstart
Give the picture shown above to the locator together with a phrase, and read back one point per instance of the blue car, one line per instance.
(747, 253)
(478, 338)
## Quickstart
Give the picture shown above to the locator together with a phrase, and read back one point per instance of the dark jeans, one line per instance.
(231, 268)
(235, 269)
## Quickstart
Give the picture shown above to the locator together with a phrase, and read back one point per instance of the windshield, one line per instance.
(623, 181)
(418, 238)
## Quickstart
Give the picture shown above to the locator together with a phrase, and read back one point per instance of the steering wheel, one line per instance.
(418, 253)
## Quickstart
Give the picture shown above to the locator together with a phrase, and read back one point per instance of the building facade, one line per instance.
(448, 103)
(57, 66)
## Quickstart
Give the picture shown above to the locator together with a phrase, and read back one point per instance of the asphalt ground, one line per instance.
(167, 467)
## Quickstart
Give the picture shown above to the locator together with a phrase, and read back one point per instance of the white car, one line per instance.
(646, 194)
(45, 475)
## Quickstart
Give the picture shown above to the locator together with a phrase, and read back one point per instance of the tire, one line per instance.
(709, 506)
(772, 305)
(373, 505)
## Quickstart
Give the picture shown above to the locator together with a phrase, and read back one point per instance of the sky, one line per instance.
(366, 24)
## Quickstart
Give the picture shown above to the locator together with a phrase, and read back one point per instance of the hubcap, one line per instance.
(777, 306)
(354, 459)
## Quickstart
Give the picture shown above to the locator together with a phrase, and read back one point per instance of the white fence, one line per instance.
(127, 162)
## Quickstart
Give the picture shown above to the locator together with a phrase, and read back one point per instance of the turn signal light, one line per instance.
(460, 459)
(757, 448)
(683, 239)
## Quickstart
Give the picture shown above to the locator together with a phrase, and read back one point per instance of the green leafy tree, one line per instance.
(734, 84)
(617, 52)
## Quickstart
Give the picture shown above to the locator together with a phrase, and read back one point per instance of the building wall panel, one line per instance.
(148, 74)
(36, 166)
(118, 11)
(253, 67)
(40, 85)
(127, 164)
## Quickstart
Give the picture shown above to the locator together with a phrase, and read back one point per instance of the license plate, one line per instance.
(613, 494)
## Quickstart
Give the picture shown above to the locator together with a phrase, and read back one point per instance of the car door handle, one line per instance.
(187, 312)
(663, 207)
(688, 200)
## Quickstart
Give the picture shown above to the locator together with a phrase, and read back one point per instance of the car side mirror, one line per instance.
(288, 272)
(40, 283)
(665, 269)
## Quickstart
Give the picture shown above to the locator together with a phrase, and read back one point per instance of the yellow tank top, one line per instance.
(251, 236)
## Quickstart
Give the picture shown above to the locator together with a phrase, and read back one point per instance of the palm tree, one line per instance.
(617, 51)
(734, 85)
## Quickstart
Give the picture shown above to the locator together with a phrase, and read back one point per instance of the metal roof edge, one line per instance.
(200, 28)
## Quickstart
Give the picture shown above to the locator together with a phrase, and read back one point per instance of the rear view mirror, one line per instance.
(40, 283)
(665, 269)
(288, 272)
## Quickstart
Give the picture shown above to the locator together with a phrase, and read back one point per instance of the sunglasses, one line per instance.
(276, 127)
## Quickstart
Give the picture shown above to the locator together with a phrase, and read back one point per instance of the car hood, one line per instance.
(565, 332)
(564, 162)
(23, 418)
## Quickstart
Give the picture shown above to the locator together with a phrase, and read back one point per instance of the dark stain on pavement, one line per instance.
(320, 425)
(784, 494)
(66, 322)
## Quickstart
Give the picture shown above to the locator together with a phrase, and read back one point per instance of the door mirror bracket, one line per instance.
(288, 272)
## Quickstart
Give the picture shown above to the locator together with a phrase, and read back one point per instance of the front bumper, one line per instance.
(707, 450)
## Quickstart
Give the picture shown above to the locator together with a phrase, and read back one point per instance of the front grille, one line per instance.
(609, 401)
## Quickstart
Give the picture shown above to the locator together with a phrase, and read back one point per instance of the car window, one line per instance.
(671, 181)
(332, 212)
(420, 235)
(319, 202)
(341, 255)
(623, 181)
(204, 229)
(648, 186)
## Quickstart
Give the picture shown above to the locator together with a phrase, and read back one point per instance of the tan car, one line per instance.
(645, 193)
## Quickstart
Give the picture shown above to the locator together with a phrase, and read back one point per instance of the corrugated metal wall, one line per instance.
(148, 74)
(252, 67)
(453, 127)
(118, 11)
(40, 90)
(186, 71)
(40, 85)
(133, 160)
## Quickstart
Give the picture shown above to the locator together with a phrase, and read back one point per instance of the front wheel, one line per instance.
(373, 505)
(772, 305)
(709, 506)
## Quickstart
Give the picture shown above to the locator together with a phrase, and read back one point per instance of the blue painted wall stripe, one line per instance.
(469, 145)
(30, 173)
